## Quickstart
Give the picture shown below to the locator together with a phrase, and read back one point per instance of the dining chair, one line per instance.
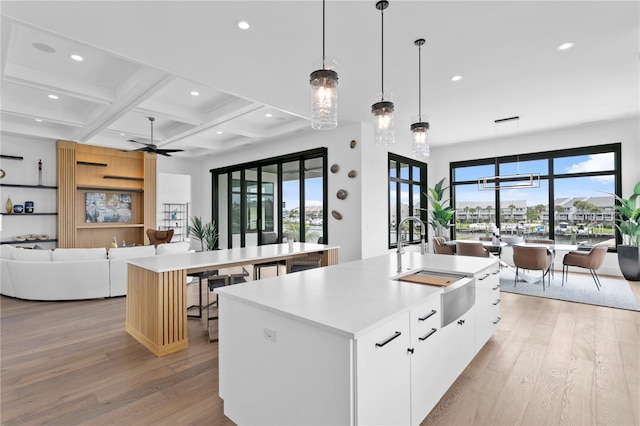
(497, 250)
(157, 236)
(534, 258)
(267, 238)
(439, 246)
(591, 260)
(471, 248)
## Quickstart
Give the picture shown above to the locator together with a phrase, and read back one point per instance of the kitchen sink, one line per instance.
(458, 296)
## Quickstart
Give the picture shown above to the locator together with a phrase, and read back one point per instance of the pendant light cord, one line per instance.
(419, 83)
(323, 66)
(382, 50)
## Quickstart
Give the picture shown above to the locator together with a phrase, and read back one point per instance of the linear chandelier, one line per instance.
(517, 181)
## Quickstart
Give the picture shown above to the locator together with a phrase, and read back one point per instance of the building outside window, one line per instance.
(573, 203)
(407, 189)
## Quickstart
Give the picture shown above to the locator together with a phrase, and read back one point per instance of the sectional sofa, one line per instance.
(73, 273)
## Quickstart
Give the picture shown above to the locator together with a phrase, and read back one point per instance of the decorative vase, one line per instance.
(629, 262)
(9, 205)
(28, 206)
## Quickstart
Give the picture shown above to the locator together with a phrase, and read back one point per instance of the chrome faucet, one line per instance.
(400, 250)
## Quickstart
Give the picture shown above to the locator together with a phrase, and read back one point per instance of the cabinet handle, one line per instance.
(496, 302)
(460, 322)
(484, 277)
(430, 314)
(497, 320)
(496, 272)
(429, 334)
(410, 350)
(496, 287)
(396, 334)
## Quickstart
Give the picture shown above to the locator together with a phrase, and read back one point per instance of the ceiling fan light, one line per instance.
(420, 136)
(382, 111)
(324, 99)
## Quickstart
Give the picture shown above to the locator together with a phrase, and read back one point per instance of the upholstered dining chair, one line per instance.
(534, 258)
(470, 248)
(157, 236)
(439, 247)
(591, 260)
(497, 250)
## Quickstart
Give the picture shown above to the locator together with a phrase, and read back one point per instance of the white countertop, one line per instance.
(226, 258)
(354, 297)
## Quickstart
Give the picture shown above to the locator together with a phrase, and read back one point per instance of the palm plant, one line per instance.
(205, 232)
(440, 215)
(628, 217)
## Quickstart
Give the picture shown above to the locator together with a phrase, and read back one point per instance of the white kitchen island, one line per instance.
(348, 344)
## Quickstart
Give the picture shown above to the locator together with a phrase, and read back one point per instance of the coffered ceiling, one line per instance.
(143, 59)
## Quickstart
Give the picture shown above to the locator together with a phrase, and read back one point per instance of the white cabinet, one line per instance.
(428, 360)
(383, 375)
(458, 346)
(487, 305)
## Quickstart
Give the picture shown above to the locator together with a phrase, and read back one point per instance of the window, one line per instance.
(574, 203)
(407, 189)
(284, 194)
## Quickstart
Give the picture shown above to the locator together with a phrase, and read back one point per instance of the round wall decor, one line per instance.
(336, 214)
(352, 173)
(335, 168)
(352, 144)
(342, 194)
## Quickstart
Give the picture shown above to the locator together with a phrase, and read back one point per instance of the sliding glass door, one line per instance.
(284, 195)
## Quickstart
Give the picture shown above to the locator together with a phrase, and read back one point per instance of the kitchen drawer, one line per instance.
(425, 319)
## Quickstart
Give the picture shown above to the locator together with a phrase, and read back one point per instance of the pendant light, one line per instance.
(382, 109)
(324, 93)
(420, 128)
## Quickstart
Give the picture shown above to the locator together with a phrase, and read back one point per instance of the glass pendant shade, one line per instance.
(324, 99)
(420, 136)
(382, 111)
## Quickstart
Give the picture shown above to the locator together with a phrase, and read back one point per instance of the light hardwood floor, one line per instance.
(551, 362)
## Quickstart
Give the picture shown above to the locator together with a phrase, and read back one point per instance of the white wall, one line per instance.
(346, 232)
(626, 131)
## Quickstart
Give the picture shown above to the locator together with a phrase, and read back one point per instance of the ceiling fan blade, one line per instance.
(135, 141)
(169, 150)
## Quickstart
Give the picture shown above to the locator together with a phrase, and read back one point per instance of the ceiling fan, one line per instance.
(151, 147)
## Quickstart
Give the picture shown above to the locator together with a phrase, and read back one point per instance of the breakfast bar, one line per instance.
(156, 287)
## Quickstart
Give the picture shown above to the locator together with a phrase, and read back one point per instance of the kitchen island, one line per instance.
(350, 343)
(157, 287)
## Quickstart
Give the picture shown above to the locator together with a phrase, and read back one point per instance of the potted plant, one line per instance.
(627, 224)
(205, 232)
(440, 215)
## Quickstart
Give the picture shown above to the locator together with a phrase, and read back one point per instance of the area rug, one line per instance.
(615, 293)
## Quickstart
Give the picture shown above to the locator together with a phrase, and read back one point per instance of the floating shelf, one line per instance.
(11, 157)
(100, 188)
(15, 185)
(89, 163)
(139, 179)
(29, 214)
(110, 225)
(28, 242)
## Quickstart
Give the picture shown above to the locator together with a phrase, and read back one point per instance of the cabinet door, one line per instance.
(383, 375)
(428, 361)
(487, 306)
(458, 346)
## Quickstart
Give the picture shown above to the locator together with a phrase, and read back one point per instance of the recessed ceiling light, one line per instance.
(566, 46)
(38, 120)
(243, 25)
(219, 132)
(456, 78)
(194, 93)
(268, 115)
(76, 57)
(121, 134)
(53, 96)
(44, 47)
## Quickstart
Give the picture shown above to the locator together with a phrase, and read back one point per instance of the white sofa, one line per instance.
(70, 274)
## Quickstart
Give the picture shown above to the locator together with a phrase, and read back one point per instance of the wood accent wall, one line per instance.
(85, 168)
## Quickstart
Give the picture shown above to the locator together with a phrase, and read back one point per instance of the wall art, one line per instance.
(102, 207)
